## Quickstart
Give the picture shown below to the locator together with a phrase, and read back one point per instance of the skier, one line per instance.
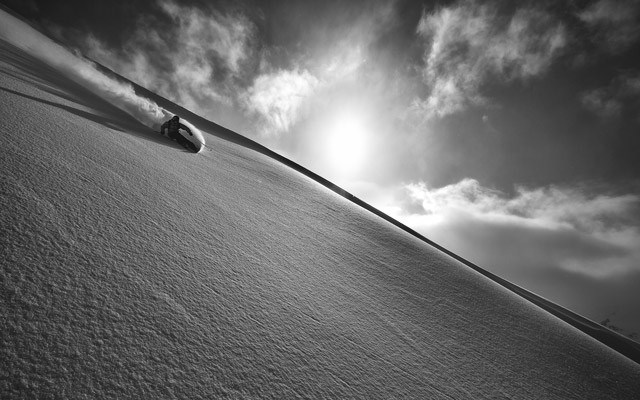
(173, 126)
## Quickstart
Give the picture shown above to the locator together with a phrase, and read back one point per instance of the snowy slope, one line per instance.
(133, 268)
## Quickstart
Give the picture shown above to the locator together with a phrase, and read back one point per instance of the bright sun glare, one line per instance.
(346, 144)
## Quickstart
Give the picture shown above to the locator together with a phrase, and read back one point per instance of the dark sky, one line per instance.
(509, 132)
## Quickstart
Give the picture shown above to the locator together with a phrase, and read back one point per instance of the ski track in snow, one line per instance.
(133, 268)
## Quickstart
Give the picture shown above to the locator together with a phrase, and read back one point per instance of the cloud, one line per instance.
(601, 103)
(622, 93)
(201, 34)
(194, 60)
(79, 69)
(615, 24)
(470, 43)
(355, 42)
(278, 98)
(332, 70)
(552, 227)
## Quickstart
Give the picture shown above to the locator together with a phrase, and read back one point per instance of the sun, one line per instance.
(346, 144)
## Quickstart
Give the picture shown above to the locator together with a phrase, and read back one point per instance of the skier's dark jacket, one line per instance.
(172, 126)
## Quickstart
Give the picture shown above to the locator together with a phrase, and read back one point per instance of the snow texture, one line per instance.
(131, 268)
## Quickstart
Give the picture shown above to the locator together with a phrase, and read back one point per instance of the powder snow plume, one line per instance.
(82, 71)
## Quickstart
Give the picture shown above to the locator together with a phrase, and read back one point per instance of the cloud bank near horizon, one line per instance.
(580, 232)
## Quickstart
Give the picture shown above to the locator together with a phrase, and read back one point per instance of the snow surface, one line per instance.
(132, 268)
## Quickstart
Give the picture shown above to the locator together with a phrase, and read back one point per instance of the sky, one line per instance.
(509, 133)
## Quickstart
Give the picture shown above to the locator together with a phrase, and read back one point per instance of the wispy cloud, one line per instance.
(278, 98)
(469, 43)
(203, 34)
(610, 101)
(332, 68)
(601, 102)
(194, 60)
(615, 24)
